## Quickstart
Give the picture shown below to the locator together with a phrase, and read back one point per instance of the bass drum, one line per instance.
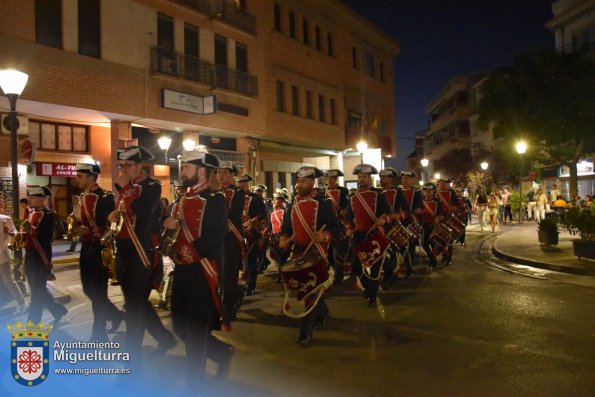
(372, 248)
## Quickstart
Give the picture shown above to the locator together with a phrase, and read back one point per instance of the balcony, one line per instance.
(192, 68)
(226, 10)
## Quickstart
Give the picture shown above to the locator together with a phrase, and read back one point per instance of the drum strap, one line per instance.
(139, 248)
(430, 210)
(329, 195)
(302, 220)
(447, 204)
(88, 216)
(236, 234)
(367, 208)
(279, 220)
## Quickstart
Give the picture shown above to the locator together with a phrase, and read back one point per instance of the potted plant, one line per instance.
(548, 231)
(581, 221)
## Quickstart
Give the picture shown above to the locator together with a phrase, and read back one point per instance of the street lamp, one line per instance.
(362, 146)
(189, 144)
(484, 165)
(437, 176)
(521, 148)
(164, 143)
(13, 83)
(424, 162)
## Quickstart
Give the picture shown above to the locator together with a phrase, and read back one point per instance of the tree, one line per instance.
(548, 99)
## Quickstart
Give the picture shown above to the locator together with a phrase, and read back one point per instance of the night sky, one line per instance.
(442, 38)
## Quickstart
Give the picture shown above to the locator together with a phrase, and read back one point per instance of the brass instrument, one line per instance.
(69, 228)
(168, 240)
(17, 241)
(108, 253)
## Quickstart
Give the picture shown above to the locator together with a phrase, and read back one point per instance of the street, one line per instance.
(466, 330)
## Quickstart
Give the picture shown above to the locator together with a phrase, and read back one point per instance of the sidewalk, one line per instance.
(59, 255)
(519, 244)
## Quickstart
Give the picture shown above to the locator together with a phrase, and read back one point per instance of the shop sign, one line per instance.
(583, 168)
(187, 103)
(56, 169)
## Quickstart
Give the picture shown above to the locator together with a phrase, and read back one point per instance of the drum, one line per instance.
(415, 230)
(399, 236)
(463, 214)
(441, 234)
(372, 248)
(303, 274)
(278, 254)
(455, 224)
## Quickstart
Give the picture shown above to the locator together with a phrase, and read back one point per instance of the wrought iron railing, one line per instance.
(226, 10)
(192, 68)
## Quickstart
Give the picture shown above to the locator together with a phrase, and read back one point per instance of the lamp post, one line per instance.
(424, 164)
(521, 148)
(13, 83)
(484, 165)
(362, 146)
(189, 145)
(164, 143)
(437, 176)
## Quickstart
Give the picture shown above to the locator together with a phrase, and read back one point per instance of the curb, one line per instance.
(541, 265)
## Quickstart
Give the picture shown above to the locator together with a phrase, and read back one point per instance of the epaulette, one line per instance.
(49, 211)
(217, 192)
(152, 181)
(108, 192)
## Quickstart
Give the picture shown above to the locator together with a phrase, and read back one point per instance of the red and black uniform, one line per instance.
(448, 202)
(96, 205)
(136, 264)
(339, 198)
(307, 215)
(430, 210)
(253, 215)
(414, 199)
(38, 263)
(398, 204)
(363, 210)
(234, 247)
(465, 208)
(338, 249)
(277, 215)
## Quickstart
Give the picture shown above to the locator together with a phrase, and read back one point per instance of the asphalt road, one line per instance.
(470, 329)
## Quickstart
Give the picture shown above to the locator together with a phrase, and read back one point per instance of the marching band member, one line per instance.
(138, 211)
(449, 203)
(398, 204)
(201, 220)
(95, 205)
(234, 242)
(38, 234)
(338, 196)
(7, 231)
(413, 197)
(367, 209)
(279, 207)
(253, 214)
(264, 263)
(465, 206)
(304, 222)
(431, 213)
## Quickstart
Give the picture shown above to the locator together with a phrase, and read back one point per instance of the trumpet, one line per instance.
(69, 228)
(168, 240)
(17, 242)
(108, 253)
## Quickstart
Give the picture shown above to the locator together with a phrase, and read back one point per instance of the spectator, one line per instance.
(541, 201)
(7, 230)
(507, 208)
(24, 205)
(481, 205)
(554, 193)
(587, 202)
(560, 202)
(531, 203)
(500, 206)
(493, 211)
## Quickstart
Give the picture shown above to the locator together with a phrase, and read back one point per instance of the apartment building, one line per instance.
(573, 25)
(270, 85)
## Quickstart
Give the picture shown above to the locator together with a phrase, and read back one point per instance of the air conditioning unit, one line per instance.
(23, 124)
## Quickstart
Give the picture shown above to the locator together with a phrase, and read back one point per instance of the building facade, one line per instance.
(573, 25)
(269, 85)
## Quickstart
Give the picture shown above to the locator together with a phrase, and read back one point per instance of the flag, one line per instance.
(383, 127)
(375, 122)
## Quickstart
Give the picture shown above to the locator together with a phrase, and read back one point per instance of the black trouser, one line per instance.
(251, 262)
(37, 275)
(264, 261)
(136, 281)
(340, 250)
(94, 281)
(463, 235)
(426, 244)
(507, 213)
(390, 263)
(318, 314)
(193, 315)
(230, 270)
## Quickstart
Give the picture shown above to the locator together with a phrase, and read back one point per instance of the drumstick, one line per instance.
(312, 242)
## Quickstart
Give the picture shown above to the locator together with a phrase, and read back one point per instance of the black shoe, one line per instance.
(250, 292)
(322, 323)
(164, 346)
(372, 302)
(223, 362)
(303, 341)
(60, 315)
(116, 322)
(69, 252)
(278, 280)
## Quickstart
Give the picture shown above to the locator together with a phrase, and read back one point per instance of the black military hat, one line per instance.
(244, 178)
(229, 166)
(309, 172)
(39, 191)
(178, 184)
(335, 173)
(445, 179)
(135, 153)
(262, 187)
(365, 169)
(409, 173)
(389, 171)
(92, 169)
(200, 158)
(429, 186)
(280, 195)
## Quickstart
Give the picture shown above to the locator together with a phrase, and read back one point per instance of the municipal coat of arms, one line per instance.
(29, 352)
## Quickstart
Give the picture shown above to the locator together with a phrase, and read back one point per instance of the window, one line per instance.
(318, 38)
(48, 22)
(63, 137)
(165, 32)
(295, 101)
(280, 96)
(321, 108)
(278, 26)
(309, 104)
(381, 70)
(306, 31)
(329, 40)
(190, 40)
(354, 57)
(241, 57)
(292, 24)
(88, 24)
(333, 106)
(220, 50)
(354, 119)
(371, 65)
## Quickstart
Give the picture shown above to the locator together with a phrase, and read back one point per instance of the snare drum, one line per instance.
(415, 230)
(372, 249)
(441, 234)
(455, 225)
(399, 236)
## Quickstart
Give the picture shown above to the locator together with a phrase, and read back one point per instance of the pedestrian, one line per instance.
(554, 193)
(481, 205)
(500, 218)
(493, 211)
(7, 232)
(540, 203)
(507, 207)
(95, 205)
(588, 201)
(531, 204)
